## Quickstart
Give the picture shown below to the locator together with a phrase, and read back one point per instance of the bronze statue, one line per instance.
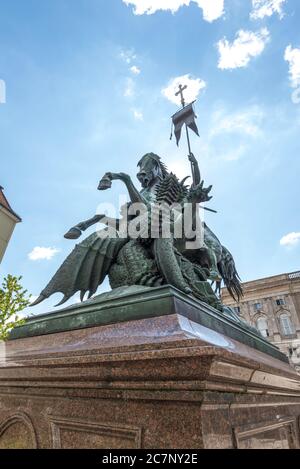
(143, 261)
(151, 258)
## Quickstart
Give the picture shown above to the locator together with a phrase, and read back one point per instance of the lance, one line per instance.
(180, 93)
(188, 118)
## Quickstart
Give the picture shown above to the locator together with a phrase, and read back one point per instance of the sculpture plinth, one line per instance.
(145, 368)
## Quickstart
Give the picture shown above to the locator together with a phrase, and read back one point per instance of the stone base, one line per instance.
(155, 381)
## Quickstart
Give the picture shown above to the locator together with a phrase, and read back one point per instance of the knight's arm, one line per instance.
(196, 170)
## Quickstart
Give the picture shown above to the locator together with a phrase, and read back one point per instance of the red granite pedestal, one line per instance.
(159, 382)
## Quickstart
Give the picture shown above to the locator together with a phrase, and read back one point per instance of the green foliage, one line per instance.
(13, 299)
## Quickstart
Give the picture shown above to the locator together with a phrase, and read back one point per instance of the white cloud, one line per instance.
(246, 45)
(212, 9)
(39, 253)
(149, 7)
(135, 70)
(235, 153)
(128, 56)
(262, 8)
(290, 240)
(129, 89)
(292, 56)
(138, 115)
(247, 121)
(194, 86)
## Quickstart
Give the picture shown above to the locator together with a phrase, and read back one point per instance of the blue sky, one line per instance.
(87, 87)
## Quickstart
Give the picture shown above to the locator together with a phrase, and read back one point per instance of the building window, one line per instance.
(293, 352)
(237, 310)
(257, 306)
(280, 302)
(262, 326)
(286, 325)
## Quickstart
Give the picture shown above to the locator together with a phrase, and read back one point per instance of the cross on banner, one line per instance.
(180, 92)
(186, 116)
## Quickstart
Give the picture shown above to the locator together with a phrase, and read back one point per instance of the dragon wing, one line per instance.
(84, 269)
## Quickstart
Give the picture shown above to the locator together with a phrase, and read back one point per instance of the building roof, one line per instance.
(6, 205)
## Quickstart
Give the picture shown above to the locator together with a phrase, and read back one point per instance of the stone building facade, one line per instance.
(8, 221)
(272, 304)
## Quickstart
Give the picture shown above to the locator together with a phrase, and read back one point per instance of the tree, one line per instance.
(13, 299)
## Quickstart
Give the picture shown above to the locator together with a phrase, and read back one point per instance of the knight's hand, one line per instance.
(192, 158)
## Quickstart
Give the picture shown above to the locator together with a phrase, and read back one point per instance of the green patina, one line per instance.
(149, 259)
